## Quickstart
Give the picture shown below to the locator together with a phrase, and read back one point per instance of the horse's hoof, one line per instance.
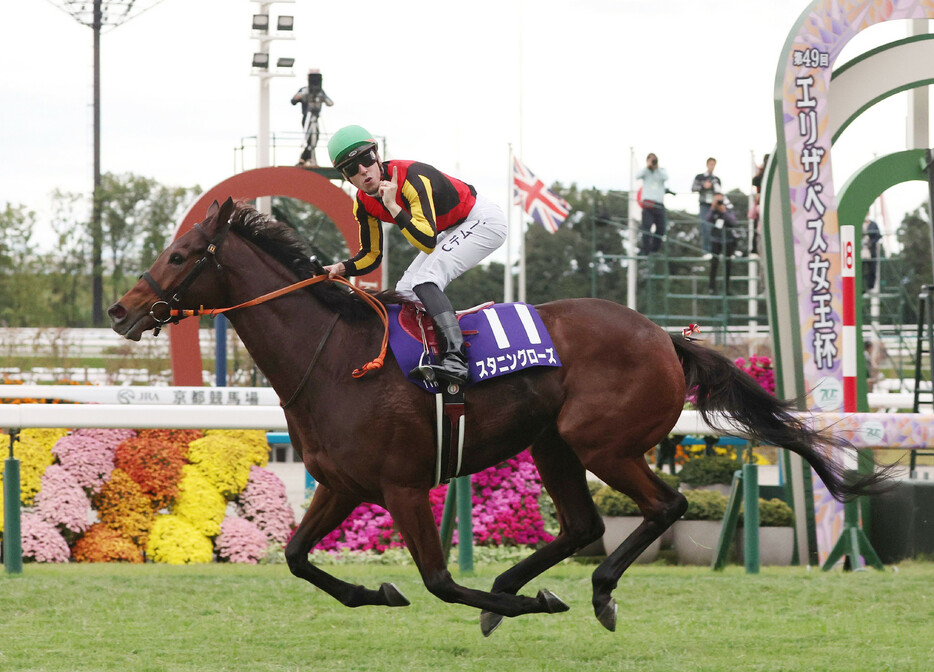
(393, 596)
(489, 622)
(553, 603)
(607, 616)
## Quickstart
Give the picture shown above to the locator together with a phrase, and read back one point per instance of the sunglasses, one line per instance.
(352, 167)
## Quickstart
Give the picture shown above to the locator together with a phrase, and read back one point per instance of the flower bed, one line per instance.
(178, 496)
(505, 513)
(156, 495)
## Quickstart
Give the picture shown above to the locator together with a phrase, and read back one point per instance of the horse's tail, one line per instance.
(721, 387)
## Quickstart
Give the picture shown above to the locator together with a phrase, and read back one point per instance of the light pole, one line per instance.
(260, 68)
(98, 15)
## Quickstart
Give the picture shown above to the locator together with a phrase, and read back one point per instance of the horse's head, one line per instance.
(184, 276)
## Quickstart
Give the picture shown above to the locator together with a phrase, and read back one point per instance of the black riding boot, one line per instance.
(453, 367)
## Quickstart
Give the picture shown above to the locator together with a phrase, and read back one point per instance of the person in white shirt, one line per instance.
(653, 204)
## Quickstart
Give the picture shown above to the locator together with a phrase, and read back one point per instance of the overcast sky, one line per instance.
(574, 86)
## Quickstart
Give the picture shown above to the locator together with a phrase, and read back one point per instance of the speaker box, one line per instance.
(903, 521)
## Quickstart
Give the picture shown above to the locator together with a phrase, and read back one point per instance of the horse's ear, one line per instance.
(226, 210)
(212, 209)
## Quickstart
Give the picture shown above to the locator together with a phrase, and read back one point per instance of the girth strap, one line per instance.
(449, 407)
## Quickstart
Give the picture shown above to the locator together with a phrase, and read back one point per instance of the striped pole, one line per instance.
(850, 351)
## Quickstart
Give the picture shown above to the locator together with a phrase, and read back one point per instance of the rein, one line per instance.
(376, 305)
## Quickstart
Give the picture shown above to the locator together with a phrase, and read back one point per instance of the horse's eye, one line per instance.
(176, 258)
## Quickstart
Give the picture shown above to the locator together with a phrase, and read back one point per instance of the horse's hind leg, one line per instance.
(565, 479)
(660, 505)
(328, 510)
(412, 515)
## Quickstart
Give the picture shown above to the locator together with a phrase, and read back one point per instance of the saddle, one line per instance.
(499, 339)
(414, 321)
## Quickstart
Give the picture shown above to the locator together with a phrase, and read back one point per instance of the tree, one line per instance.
(18, 265)
(915, 240)
(138, 216)
(69, 295)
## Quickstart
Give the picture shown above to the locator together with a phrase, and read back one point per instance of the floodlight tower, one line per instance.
(260, 68)
(98, 15)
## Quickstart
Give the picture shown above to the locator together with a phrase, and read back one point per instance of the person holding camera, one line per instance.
(311, 97)
(706, 185)
(653, 204)
(722, 224)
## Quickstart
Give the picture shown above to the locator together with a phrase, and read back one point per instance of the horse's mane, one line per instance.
(286, 245)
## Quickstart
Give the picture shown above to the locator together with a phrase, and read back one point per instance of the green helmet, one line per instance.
(348, 142)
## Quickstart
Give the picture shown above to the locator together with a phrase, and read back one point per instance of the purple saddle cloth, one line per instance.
(501, 339)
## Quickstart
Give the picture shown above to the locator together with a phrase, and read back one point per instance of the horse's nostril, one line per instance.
(116, 312)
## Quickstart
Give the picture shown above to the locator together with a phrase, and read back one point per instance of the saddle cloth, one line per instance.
(500, 339)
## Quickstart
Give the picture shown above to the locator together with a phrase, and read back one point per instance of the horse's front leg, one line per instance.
(564, 477)
(411, 512)
(328, 510)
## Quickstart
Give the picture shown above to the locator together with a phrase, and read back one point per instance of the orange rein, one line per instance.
(376, 305)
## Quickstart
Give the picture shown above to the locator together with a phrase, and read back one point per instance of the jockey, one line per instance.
(452, 227)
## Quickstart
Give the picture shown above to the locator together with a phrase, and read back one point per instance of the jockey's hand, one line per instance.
(335, 270)
(388, 190)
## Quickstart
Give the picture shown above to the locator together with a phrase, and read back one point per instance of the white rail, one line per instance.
(74, 416)
(250, 396)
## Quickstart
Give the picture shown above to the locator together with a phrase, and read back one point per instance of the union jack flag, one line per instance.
(545, 207)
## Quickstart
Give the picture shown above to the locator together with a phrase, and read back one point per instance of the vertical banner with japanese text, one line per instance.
(803, 97)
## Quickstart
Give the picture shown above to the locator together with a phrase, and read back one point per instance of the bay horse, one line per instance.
(619, 392)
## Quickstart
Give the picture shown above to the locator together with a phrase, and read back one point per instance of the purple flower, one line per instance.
(89, 455)
(264, 502)
(42, 542)
(62, 501)
(241, 541)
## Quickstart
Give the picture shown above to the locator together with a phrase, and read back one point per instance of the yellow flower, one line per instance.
(34, 452)
(175, 541)
(199, 502)
(224, 457)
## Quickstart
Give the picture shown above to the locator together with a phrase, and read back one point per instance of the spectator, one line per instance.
(653, 204)
(722, 241)
(869, 253)
(706, 185)
(754, 214)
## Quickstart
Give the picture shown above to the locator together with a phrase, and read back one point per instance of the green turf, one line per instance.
(238, 618)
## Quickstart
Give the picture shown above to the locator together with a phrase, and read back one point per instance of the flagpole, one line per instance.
(521, 149)
(507, 274)
(522, 228)
(632, 275)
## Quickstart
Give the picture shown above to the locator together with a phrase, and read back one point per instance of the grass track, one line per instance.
(236, 618)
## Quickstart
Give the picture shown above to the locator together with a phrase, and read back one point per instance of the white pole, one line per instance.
(632, 270)
(753, 270)
(507, 274)
(521, 148)
(522, 258)
(263, 203)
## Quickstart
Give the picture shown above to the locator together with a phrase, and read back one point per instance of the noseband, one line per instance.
(172, 297)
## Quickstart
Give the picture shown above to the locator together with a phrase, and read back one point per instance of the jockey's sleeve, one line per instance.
(371, 243)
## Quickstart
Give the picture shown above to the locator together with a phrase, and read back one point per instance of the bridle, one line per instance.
(172, 297)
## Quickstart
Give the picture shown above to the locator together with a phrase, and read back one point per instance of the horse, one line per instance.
(619, 392)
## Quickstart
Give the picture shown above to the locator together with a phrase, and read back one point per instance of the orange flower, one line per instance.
(122, 506)
(104, 544)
